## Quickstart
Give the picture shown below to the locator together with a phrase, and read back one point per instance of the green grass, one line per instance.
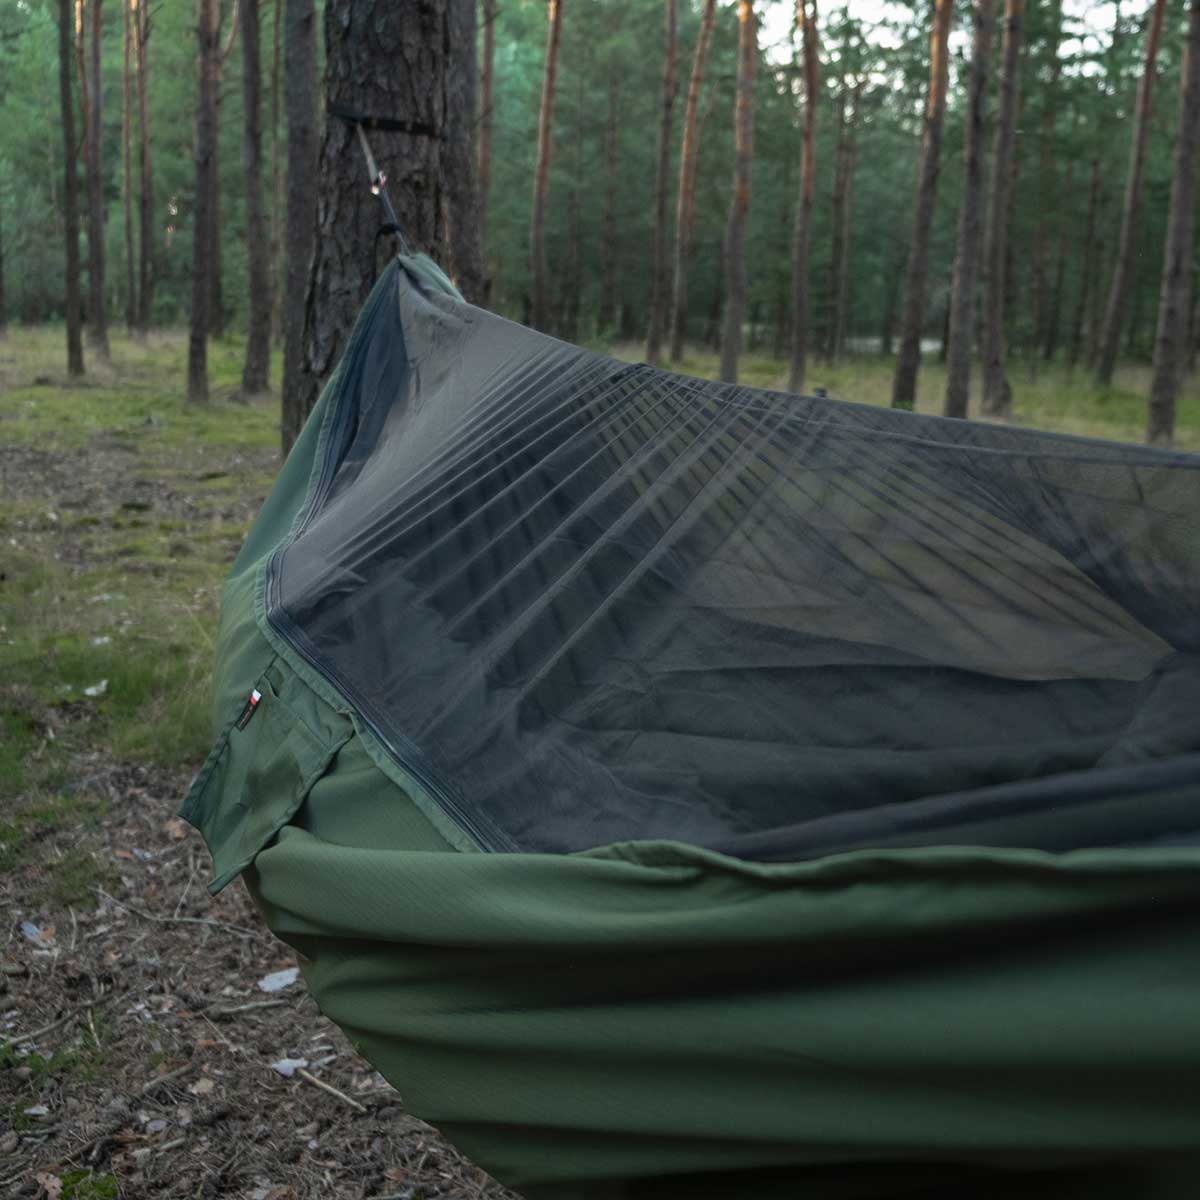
(120, 512)
(1055, 398)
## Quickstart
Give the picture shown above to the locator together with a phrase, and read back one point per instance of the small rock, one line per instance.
(9, 1142)
(37, 1110)
(156, 1126)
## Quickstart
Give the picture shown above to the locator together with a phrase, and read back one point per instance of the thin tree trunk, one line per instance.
(806, 18)
(257, 367)
(685, 201)
(1053, 329)
(93, 101)
(997, 394)
(217, 314)
(1049, 202)
(970, 220)
(573, 276)
(276, 180)
(541, 175)
(1171, 338)
(207, 54)
(841, 295)
(382, 59)
(1089, 267)
(739, 208)
(486, 111)
(459, 160)
(608, 299)
(127, 164)
(300, 100)
(837, 217)
(660, 284)
(1114, 310)
(3, 306)
(70, 191)
(146, 190)
(904, 384)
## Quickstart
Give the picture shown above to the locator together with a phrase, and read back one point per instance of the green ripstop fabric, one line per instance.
(651, 1018)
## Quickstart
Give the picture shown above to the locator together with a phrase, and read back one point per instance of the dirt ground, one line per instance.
(140, 1052)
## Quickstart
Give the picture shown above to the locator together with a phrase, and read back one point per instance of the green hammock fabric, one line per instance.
(657, 1018)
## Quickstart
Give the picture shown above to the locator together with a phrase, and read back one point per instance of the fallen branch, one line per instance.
(236, 930)
(169, 1077)
(308, 1077)
(37, 1033)
(241, 1008)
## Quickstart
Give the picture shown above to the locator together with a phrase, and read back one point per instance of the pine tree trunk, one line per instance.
(1171, 338)
(127, 164)
(660, 284)
(3, 305)
(207, 56)
(739, 208)
(256, 371)
(573, 275)
(837, 216)
(1049, 201)
(841, 295)
(1114, 309)
(1053, 323)
(799, 357)
(486, 112)
(997, 394)
(685, 202)
(146, 189)
(300, 100)
(608, 297)
(970, 220)
(539, 314)
(216, 277)
(1082, 304)
(384, 60)
(70, 191)
(93, 102)
(276, 181)
(904, 384)
(464, 243)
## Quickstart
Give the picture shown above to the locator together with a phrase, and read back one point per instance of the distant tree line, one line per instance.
(1014, 183)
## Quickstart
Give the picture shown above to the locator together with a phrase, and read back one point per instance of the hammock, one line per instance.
(683, 789)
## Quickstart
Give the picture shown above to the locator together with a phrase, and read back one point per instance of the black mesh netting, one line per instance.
(584, 602)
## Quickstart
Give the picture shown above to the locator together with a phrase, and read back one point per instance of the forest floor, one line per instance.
(139, 1050)
(136, 1044)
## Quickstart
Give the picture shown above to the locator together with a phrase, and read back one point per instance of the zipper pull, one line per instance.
(247, 712)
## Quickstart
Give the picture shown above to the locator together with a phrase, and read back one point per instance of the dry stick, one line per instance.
(36, 1033)
(169, 1077)
(237, 930)
(308, 1077)
(254, 1004)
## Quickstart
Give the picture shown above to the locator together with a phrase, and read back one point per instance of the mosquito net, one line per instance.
(583, 601)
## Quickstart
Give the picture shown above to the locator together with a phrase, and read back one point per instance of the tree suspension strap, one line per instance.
(363, 121)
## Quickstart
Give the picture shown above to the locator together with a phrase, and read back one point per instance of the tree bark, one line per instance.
(1050, 202)
(300, 94)
(1053, 323)
(257, 367)
(660, 284)
(739, 208)
(216, 296)
(93, 102)
(608, 297)
(842, 201)
(806, 17)
(904, 384)
(1082, 304)
(127, 163)
(997, 394)
(1114, 309)
(70, 192)
(276, 179)
(1171, 338)
(970, 220)
(207, 60)
(685, 202)
(464, 242)
(541, 175)
(382, 59)
(486, 111)
(145, 170)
